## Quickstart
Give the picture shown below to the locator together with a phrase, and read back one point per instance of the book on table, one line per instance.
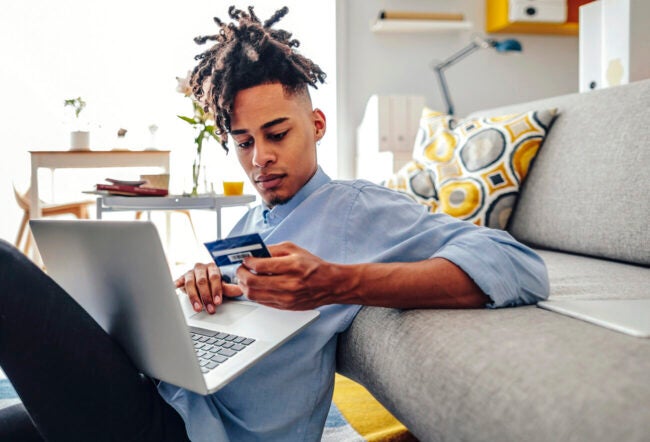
(130, 190)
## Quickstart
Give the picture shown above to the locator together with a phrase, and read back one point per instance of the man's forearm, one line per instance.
(433, 283)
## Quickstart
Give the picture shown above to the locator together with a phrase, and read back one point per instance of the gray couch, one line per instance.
(527, 374)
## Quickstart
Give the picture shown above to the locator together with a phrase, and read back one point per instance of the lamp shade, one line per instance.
(507, 45)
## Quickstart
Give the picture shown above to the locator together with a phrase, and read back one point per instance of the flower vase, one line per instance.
(197, 172)
(79, 140)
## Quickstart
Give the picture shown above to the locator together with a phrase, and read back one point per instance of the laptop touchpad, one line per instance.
(227, 313)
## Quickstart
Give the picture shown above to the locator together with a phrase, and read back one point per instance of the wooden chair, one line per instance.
(78, 209)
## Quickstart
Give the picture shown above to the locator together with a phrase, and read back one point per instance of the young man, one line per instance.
(336, 245)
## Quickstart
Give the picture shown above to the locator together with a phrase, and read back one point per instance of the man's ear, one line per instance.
(320, 124)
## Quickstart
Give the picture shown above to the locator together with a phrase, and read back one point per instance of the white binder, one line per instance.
(386, 134)
(614, 36)
(590, 47)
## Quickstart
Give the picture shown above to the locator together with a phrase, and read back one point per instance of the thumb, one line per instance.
(282, 249)
(232, 290)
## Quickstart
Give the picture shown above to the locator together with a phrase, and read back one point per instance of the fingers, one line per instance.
(214, 278)
(281, 282)
(283, 248)
(268, 266)
(285, 282)
(292, 279)
(180, 282)
(189, 287)
(203, 286)
(278, 291)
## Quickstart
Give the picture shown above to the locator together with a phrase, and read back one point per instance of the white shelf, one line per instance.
(411, 26)
(112, 203)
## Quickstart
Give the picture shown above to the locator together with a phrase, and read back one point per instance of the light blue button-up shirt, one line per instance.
(286, 396)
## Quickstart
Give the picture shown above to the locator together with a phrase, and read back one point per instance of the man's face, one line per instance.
(275, 137)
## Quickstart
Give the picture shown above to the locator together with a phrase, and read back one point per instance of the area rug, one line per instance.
(8, 395)
(354, 416)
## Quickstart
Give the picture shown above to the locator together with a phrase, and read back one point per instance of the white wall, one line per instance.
(400, 64)
(122, 57)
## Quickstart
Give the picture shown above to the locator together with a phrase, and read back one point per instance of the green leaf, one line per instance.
(78, 104)
(187, 119)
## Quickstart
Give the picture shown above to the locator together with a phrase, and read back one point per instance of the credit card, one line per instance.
(234, 250)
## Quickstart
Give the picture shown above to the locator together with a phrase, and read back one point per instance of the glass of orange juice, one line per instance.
(232, 188)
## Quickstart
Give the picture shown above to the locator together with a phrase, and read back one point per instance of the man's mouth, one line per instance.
(269, 181)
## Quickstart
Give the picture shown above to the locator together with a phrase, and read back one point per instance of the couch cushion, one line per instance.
(510, 374)
(580, 277)
(588, 190)
(472, 169)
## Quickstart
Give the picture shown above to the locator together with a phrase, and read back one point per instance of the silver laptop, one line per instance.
(631, 316)
(117, 271)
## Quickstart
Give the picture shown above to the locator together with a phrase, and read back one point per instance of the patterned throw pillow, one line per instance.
(472, 169)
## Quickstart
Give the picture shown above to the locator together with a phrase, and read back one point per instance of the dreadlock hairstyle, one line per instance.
(248, 54)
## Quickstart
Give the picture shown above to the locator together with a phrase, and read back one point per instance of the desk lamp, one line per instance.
(477, 43)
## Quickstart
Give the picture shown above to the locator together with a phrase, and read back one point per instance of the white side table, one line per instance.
(172, 202)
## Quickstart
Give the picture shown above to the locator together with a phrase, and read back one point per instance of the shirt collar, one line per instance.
(280, 211)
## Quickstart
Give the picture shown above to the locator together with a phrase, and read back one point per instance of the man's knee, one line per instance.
(12, 260)
(6, 247)
(8, 252)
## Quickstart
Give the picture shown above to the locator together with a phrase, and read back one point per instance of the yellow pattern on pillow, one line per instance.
(472, 169)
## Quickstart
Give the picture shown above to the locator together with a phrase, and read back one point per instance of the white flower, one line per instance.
(184, 85)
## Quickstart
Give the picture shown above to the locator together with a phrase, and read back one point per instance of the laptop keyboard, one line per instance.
(213, 348)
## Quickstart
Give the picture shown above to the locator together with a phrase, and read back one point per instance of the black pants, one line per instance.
(74, 381)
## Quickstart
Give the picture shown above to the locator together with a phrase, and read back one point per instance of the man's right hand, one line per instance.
(204, 287)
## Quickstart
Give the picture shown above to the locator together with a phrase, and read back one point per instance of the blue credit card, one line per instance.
(234, 250)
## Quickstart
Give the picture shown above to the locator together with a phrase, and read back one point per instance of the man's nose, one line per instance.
(264, 154)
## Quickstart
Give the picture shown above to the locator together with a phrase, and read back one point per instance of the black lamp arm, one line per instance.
(444, 89)
(452, 59)
(476, 44)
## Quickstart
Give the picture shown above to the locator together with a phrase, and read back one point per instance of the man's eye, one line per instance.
(278, 136)
(245, 144)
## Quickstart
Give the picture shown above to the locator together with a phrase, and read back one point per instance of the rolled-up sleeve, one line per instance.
(398, 230)
(507, 271)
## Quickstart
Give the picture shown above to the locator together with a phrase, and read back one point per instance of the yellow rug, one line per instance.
(367, 416)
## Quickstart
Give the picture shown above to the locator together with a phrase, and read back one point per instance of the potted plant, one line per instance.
(79, 139)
